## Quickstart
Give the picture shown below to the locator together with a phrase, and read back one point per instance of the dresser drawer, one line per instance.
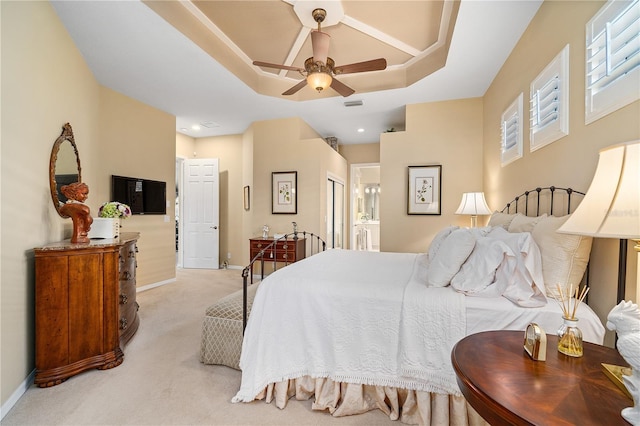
(288, 251)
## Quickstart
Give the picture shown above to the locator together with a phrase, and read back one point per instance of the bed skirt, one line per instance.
(345, 399)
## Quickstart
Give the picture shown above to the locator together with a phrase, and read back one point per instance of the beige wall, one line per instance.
(446, 133)
(248, 160)
(361, 153)
(46, 83)
(35, 105)
(570, 161)
(291, 145)
(139, 141)
(185, 146)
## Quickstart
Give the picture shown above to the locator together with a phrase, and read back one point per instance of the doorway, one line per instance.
(335, 213)
(197, 213)
(365, 207)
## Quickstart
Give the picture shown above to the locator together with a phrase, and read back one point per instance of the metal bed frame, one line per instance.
(523, 199)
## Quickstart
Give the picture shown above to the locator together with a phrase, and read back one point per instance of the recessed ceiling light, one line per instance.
(360, 130)
(195, 127)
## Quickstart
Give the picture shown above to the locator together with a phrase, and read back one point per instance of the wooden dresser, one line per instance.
(86, 308)
(287, 251)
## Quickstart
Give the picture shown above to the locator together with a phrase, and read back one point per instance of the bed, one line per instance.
(359, 331)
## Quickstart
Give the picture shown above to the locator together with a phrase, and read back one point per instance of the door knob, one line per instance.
(214, 227)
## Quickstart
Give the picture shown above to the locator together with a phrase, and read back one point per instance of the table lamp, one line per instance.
(474, 204)
(611, 206)
(611, 209)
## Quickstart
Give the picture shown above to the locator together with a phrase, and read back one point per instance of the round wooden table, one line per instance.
(506, 387)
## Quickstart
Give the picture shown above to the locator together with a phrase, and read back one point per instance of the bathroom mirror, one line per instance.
(64, 166)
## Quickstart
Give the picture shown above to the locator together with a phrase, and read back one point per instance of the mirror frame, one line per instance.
(66, 135)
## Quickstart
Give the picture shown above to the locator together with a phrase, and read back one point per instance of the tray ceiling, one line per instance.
(413, 36)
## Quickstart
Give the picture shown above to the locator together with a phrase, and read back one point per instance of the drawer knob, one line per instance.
(259, 245)
(285, 246)
(123, 323)
(123, 299)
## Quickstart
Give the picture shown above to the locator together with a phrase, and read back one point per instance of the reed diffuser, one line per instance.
(569, 335)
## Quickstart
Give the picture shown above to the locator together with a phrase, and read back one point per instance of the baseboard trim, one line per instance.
(154, 285)
(17, 394)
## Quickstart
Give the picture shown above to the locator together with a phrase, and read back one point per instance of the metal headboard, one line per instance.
(522, 202)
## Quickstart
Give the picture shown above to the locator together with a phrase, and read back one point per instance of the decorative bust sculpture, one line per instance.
(624, 318)
(77, 193)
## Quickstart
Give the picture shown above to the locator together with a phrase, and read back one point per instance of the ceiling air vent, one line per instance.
(209, 124)
(353, 103)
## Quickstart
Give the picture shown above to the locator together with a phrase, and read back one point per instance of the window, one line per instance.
(511, 122)
(612, 58)
(549, 102)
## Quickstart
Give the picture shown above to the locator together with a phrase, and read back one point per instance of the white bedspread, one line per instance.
(369, 318)
(345, 319)
(433, 320)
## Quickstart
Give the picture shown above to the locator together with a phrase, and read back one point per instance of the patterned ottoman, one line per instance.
(222, 329)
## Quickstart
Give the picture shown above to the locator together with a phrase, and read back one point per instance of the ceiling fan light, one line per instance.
(319, 80)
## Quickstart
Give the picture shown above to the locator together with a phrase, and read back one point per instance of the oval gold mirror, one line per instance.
(64, 166)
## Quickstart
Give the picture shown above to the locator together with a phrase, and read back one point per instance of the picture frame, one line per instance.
(424, 190)
(284, 197)
(247, 199)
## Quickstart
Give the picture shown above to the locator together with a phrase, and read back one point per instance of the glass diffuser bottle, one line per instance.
(570, 338)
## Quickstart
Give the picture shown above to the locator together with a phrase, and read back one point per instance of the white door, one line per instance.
(200, 215)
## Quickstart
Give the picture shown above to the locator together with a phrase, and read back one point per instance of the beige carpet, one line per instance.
(161, 381)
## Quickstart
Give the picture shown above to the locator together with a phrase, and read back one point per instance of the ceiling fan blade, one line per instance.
(320, 45)
(295, 88)
(280, 67)
(341, 88)
(372, 65)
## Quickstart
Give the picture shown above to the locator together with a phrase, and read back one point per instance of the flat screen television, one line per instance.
(144, 196)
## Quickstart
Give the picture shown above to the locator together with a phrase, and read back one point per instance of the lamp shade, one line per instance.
(611, 207)
(319, 80)
(473, 203)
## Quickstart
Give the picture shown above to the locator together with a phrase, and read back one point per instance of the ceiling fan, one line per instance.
(319, 70)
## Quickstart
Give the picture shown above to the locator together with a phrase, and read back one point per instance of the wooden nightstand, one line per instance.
(506, 387)
(284, 251)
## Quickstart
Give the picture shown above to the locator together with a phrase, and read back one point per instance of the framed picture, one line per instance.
(247, 201)
(284, 199)
(424, 190)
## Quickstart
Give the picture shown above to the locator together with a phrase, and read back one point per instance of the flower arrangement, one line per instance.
(114, 209)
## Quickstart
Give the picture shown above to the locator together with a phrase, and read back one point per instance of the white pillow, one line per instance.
(448, 259)
(564, 256)
(520, 278)
(522, 223)
(501, 219)
(437, 241)
(479, 270)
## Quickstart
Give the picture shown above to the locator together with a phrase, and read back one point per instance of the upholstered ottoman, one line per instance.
(222, 329)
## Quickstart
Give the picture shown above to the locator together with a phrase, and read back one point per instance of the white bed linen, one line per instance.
(307, 320)
(485, 314)
(343, 321)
